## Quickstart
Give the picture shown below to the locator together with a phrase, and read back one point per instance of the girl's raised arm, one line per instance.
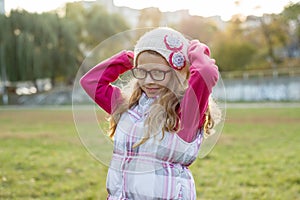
(96, 82)
(204, 75)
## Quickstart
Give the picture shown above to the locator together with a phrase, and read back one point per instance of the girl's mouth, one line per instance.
(151, 91)
(152, 88)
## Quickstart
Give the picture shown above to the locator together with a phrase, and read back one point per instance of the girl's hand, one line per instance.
(130, 55)
(198, 52)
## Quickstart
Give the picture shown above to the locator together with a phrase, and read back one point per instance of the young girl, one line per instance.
(158, 127)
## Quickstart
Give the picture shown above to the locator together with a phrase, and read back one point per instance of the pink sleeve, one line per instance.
(96, 82)
(204, 76)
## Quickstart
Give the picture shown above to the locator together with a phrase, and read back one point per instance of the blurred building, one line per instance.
(167, 18)
(132, 15)
(2, 8)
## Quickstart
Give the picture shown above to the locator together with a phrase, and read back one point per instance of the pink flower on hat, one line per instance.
(177, 60)
(173, 43)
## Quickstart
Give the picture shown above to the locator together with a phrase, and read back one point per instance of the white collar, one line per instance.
(143, 106)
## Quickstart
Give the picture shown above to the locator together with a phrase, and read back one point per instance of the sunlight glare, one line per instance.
(223, 8)
(35, 6)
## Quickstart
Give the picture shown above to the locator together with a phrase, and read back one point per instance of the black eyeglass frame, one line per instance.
(150, 72)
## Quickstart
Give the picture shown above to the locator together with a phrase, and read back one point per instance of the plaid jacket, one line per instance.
(156, 169)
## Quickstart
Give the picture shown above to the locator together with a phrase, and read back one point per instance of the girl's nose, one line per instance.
(148, 79)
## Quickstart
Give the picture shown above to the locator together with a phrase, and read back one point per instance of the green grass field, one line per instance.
(257, 157)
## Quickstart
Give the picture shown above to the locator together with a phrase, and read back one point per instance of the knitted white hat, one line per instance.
(171, 44)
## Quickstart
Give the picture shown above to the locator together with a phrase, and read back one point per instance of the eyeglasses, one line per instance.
(157, 75)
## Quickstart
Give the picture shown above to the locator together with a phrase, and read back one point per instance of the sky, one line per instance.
(223, 8)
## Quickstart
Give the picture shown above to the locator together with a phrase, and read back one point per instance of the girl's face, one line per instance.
(158, 73)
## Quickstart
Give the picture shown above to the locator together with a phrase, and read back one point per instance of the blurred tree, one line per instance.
(4, 36)
(292, 12)
(198, 28)
(271, 33)
(100, 25)
(37, 46)
(93, 24)
(231, 50)
(48, 46)
(76, 15)
(267, 33)
(66, 55)
(235, 26)
(291, 17)
(232, 54)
